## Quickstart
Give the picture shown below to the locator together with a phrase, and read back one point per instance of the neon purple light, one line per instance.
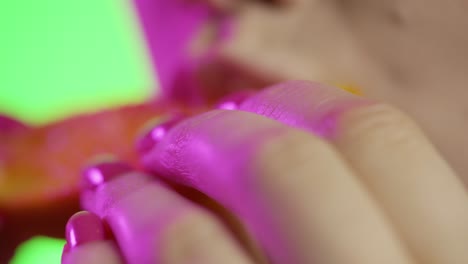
(169, 26)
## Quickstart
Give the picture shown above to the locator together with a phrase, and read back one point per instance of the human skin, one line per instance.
(409, 53)
(316, 175)
(387, 49)
(40, 191)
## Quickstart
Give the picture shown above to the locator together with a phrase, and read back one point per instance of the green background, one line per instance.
(62, 57)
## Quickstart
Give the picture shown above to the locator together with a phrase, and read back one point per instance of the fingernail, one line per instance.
(155, 134)
(233, 101)
(104, 171)
(83, 227)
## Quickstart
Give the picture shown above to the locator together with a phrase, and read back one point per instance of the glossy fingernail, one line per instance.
(156, 134)
(233, 101)
(83, 227)
(104, 171)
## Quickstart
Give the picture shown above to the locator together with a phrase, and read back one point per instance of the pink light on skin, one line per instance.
(311, 106)
(212, 153)
(169, 27)
(224, 168)
(136, 208)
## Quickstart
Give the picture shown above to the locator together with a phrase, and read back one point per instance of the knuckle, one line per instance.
(287, 155)
(380, 124)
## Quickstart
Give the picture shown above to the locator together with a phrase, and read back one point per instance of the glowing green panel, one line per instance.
(39, 250)
(61, 57)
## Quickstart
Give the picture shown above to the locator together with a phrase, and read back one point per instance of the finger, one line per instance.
(86, 242)
(424, 198)
(102, 252)
(152, 224)
(291, 189)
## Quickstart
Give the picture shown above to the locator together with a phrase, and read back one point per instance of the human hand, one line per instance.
(314, 174)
